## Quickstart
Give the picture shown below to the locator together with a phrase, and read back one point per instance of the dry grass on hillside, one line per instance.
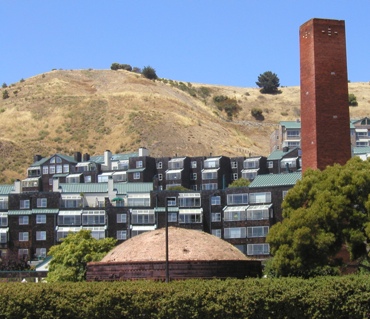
(94, 110)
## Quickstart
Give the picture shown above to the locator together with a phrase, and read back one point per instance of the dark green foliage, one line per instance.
(352, 101)
(116, 66)
(325, 297)
(4, 85)
(136, 69)
(5, 94)
(256, 112)
(149, 73)
(268, 82)
(240, 182)
(323, 212)
(21, 80)
(229, 105)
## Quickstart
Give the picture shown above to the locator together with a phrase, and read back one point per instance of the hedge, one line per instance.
(325, 297)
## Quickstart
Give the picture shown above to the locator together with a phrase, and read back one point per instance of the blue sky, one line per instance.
(227, 42)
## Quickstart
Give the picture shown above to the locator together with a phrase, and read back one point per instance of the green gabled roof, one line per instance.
(115, 157)
(279, 154)
(122, 188)
(291, 124)
(361, 150)
(45, 159)
(6, 189)
(125, 188)
(273, 180)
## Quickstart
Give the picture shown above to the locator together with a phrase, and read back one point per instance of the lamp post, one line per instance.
(167, 270)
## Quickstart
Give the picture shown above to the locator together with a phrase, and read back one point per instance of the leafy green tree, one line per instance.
(4, 85)
(352, 101)
(5, 94)
(116, 66)
(70, 258)
(240, 182)
(149, 73)
(323, 213)
(268, 82)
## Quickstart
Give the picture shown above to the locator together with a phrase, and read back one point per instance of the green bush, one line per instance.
(5, 94)
(149, 73)
(352, 101)
(256, 112)
(324, 297)
(116, 66)
(229, 105)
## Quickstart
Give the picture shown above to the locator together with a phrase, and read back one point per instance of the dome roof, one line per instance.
(183, 245)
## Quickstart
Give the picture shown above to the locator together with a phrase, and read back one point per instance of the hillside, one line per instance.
(93, 110)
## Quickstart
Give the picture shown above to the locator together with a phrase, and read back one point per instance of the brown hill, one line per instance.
(93, 110)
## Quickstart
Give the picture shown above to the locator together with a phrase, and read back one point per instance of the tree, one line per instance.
(5, 94)
(268, 82)
(324, 213)
(70, 258)
(352, 101)
(116, 66)
(240, 182)
(149, 73)
(4, 85)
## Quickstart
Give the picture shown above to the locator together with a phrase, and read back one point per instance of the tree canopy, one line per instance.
(70, 258)
(240, 182)
(323, 213)
(149, 73)
(268, 82)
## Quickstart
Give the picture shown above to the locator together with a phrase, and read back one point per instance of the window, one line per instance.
(71, 202)
(288, 162)
(55, 159)
(258, 249)
(216, 217)
(64, 231)
(143, 217)
(193, 176)
(190, 217)
(23, 236)
(93, 217)
(255, 198)
(3, 219)
(173, 175)
(40, 252)
(120, 177)
(41, 235)
(52, 169)
(189, 200)
(212, 163)
(250, 174)
(66, 168)
(3, 237)
(216, 232)
(176, 163)
(3, 203)
(159, 165)
(42, 202)
(209, 186)
(121, 218)
(216, 200)
(270, 164)
(171, 201)
(45, 170)
(96, 232)
(258, 212)
(138, 200)
(259, 231)
(292, 133)
(251, 163)
(172, 217)
(236, 232)
(235, 176)
(139, 164)
(59, 169)
(235, 215)
(234, 164)
(194, 164)
(237, 199)
(67, 219)
(23, 253)
(23, 220)
(25, 204)
(160, 177)
(87, 179)
(121, 234)
(136, 175)
(211, 174)
(40, 219)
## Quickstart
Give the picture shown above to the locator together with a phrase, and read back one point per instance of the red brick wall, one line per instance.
(324, 94)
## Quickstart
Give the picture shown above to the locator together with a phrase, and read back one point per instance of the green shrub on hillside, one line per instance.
(229, 105)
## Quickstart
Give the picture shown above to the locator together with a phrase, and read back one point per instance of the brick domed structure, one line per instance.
(192, 254)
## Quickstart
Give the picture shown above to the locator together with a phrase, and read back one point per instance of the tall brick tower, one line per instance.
(325, 131)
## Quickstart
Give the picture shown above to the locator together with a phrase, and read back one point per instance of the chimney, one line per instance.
(143, 151)
(77, 156)
(17, 186)
(36, 158)
(86, 157)
(108, 160)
